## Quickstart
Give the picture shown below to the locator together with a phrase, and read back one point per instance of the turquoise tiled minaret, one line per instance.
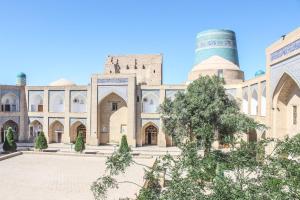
(216, 42)
(21, 79)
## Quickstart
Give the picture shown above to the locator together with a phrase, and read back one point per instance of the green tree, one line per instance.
(9, 142)
(204, 113)
(41, 142)
(124, 144)
(79, 144)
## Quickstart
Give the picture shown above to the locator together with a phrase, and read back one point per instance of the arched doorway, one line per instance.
(55, 132)
(112, 116)
(252, 136)
(76, 128)
(14, 126)
(35, 128)
(151, 135)
(286, 104)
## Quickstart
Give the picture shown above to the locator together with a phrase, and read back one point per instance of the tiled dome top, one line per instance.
(259, 73)
(62, 82)
(21, 75)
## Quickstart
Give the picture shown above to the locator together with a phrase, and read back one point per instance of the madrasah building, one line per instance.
(125, 98)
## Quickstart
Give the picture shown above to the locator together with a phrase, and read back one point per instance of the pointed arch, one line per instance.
(150, 103)
(286, 104)
(35, 128)
(10, 124)
(75, 129)
(150, 134)
(9, 102)
(56, 129)
(78, 103)
(254, 102)
(112, 114)
(245, 103)
(263, 103)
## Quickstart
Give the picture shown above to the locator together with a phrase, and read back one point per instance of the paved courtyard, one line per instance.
(53, 177)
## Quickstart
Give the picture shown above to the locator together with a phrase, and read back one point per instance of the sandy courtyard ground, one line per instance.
(52, 177)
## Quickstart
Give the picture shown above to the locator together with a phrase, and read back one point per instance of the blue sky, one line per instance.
(51, 39)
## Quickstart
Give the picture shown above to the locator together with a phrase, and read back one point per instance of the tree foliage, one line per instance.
(41, 142)
(124, 145)
(195, 119)
(9, 142)
(204, 112)
(79, 144)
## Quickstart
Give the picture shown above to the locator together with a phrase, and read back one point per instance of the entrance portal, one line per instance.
(151, 135)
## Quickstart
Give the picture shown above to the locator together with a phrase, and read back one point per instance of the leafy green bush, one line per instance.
(41, 142)
(79, 144)
(9, 143)
(124, 145)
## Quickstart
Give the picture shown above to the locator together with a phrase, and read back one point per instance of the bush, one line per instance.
(9, 143)
(41, 142)
(79, 144)
(124, 145)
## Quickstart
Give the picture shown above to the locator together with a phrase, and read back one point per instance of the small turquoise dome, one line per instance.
(21, 75)
(259, 73)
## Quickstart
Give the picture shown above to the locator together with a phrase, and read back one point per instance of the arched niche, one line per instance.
(112, 114)
(35, 128)
(254, 102)
(76, 128)
(150, 103)
(286, 103)
(9, 103)
(56, 129)
(150, 134)
(10, 124)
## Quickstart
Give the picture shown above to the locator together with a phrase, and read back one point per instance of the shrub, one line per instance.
(41, 142)
(124, 145)
(79, 144)
(9, 143)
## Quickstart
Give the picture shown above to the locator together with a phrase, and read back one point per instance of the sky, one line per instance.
(53, 39)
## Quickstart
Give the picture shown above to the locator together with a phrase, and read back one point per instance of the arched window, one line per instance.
(245, 101)
(263, 101)
(36, 103)
(9, 103)
(56, 101)
(78, 103)
(150, 103)
(254, 102)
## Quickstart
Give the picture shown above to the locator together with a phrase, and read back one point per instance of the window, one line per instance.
(76, 100)
(40, 108)
(123, 129)
(114, 106)
(138, 99)
(220, 73)
(7, 108)
(294, 115)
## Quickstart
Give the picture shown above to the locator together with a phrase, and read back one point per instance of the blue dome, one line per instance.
(259, 73)
(21, 75)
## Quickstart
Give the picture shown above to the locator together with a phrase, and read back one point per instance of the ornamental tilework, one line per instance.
(104, 91)
(13, 118)
(155, 121)
(290, 67)
(74, 120)
(53, 119)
